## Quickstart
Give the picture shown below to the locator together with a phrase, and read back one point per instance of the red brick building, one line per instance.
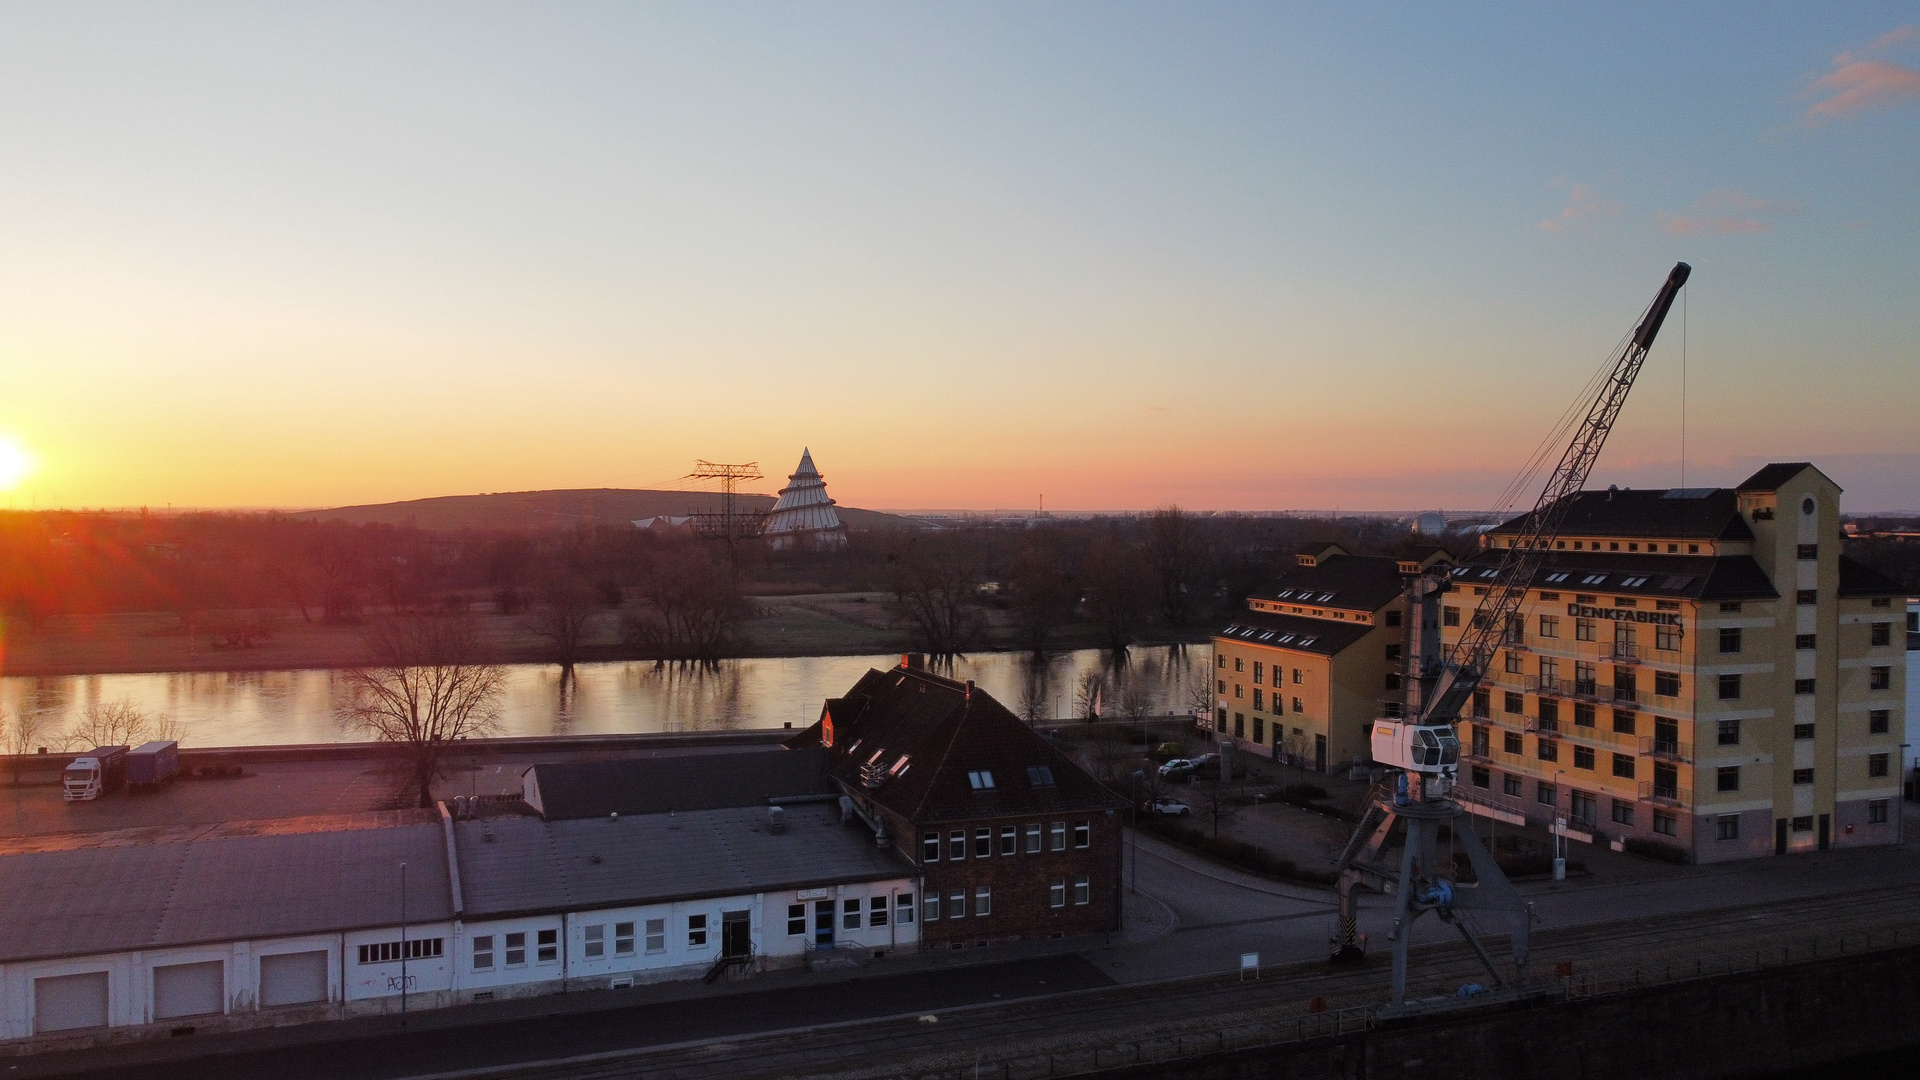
(1013, 840)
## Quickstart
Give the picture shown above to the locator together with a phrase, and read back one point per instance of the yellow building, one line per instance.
(1700, 667)
(1317, 657)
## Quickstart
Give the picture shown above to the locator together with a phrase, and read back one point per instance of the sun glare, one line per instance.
(15, 463)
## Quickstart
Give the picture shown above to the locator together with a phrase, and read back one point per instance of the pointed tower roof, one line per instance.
(804, 509)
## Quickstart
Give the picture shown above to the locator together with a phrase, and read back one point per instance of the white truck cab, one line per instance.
(82, 780)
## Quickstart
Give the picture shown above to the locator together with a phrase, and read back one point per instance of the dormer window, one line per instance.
(876, 755)
(900, 767)
(1039, 776)
(980, 781)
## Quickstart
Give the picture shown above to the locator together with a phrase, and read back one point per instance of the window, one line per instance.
(983, 901)
(1803, 776)
(1625, 721)
(1393, 618)
(1033, 838)
(1876, 764)
(930, 847)
(1259, 670)
(1583, 629)
(623, 939)
(1547, 749)
(483, 952)
(956, 905)
(1082, 891)
(1239, 691)
(1802, 731)
(596, 942)
(656, 935)
(1083, 834)
(1480, 737)
(1879, 678)
(1805, 641)
(1803, 686)
(932, 912)
(1808, 551)
(1806, 597)
(1803, 823)
(1549, 626)
(1728, 732)
(1544, 793)
(1482, 704)
(1583, 714)
(1259, 703)
(1666, 781)
(981, 781)
(1623, 766)
(1876, 721)
(1516, 664)
(1622, 812)
(1057, 894)
(1882, 633)
(1726, 827)
(1058, 834)
(1512, 743)
(1666, 638)
(517, 950)
(796, 920)
(850, 914)
(1297, 707)
(982, 843)
(1221, 660)
(383, 952)
(1666, 683)
(1665, 823)
(1729, 687)
(1298, 675)
(1239, 664)
(1220, 715)
(1730, 605)
(1009, 840)
(1549, 715)
(956, 845)
(903, 909)
(1729, 639)
(1393, 652)
(696, 931)
(1583, 757)
(1727, 778)
(1482, 777)
(1515, 703)
(547, 946)
(1450, 616)
(1876, 811)
(1582, 808)
(1510, 784)
(1039, 776)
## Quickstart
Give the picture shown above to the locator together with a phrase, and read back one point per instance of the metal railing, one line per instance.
(1624, 652)
(1676, 795)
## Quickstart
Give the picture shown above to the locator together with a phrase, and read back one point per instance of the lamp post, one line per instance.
(1133, 840)
(1559, 830)
(403, 944)
(1900, 823)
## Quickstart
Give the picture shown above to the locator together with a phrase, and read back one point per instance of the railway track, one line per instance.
(1199, 1009)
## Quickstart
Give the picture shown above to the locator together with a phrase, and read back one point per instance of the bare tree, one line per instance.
(1174, 553)
(1114, 574)
(108, 723)
(936, 585)
(1218, 798)
(424, 688)
(693, 607)
(1035, 694)
(1043, 593)
(21, 733)
(565, 618)
(1089, 696)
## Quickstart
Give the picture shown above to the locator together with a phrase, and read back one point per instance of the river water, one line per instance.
(259, 708)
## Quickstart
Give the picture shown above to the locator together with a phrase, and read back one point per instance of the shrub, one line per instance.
(1657, 849)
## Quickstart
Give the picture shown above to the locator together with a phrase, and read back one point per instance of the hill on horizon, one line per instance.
(566, 507)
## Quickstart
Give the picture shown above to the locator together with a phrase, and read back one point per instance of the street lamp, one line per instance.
(1133, 840)
(403, 944)
(1559, 830)
(1900, 823)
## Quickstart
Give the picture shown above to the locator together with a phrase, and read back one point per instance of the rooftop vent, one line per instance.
(776, 820)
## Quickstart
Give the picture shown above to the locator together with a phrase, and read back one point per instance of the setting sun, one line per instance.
(15, 463)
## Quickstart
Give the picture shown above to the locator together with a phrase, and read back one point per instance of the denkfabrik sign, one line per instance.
(1658, 618)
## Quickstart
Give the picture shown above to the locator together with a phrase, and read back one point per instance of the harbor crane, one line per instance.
(1420, 747)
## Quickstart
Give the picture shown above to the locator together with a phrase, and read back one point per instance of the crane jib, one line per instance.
(1657, 314)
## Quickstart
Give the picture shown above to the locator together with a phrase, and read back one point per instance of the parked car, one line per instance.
(1170, 808)
(1178, 769)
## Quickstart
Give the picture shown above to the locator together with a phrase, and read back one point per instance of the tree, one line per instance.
(109, 723)
(1174, 553)
(1218, 798)
(1089, 697)
(1114, 573)
(423, 688)
(21, 734)
(693, 607)
(936, 590)
(1043, 594)
(565, 618)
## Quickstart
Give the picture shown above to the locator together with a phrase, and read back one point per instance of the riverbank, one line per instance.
(820, 624)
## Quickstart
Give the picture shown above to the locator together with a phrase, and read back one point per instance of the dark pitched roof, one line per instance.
(919, 736)
(584, 789)
(1770, 477)
(1859, 579)
(1354, 582)
(1691, 513)
(1692, 577)
(1293, 632)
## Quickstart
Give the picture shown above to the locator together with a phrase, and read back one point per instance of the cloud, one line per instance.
(1865, 79)
(1583, 202)
(1724, 212)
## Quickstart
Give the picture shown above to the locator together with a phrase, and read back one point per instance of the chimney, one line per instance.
(969, 690)
(913, 661)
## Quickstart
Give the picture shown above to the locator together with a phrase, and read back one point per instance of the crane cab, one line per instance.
(1432, 749)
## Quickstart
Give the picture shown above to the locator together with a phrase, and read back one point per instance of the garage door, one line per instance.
(189, 990)
(293, 978)
(66, 1002)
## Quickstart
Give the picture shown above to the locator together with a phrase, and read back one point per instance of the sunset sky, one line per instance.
(1227, 256)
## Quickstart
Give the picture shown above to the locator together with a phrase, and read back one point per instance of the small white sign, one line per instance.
(1249, 961)
(810, 894)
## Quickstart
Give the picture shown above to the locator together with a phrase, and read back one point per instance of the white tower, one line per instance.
(804, 516)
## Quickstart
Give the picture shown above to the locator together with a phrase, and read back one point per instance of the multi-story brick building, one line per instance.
(1698, 667)
(1317, 657)
(1013, 840)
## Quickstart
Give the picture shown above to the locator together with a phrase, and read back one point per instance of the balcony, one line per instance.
(1666, 749)
(1623, 652)
(1534, 725)
(1665, 795)
(1625, 693)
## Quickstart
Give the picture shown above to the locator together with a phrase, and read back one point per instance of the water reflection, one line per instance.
(250, 708)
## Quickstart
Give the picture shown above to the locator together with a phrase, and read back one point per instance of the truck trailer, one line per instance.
(152, 764)
(94, 773)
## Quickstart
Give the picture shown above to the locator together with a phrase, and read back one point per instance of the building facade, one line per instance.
(1013, 840)
(1700, 668)
(1316, 658)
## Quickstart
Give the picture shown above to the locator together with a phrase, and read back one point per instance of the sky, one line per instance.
(1225, 256)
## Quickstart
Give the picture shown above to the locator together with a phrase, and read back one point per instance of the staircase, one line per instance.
(725, 964)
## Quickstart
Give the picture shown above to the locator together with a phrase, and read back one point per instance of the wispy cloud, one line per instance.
(1583, 203)
(1865, 79)
(1724, 212)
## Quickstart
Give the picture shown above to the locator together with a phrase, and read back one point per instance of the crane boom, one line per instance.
(1466, 664)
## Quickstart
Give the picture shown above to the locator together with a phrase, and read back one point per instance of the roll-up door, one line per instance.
(189, 990)
(65, 1002)
(293, 978)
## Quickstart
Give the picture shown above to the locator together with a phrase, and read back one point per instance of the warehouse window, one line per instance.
(850, 913)
(796, 920)
(903, 909)
(517, 950)
(596, 941)
(483, 952)
(623, 939)
(656, 935)
(389, 951)
(696, 931)
(877, 911)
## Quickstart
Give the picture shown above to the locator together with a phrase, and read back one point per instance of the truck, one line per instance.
(152, 764)
(94, 773)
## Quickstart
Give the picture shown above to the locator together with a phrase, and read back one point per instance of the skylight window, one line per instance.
(1268, 636)
(981, 781)
(876, 755)
(1284, 594)
(1633, 582)
(1284, 640)
(1461, 571)
(1558, 576)
(1593, 579)
(1325, 596)
(1308, 640)
(1489, 572)
(1039, 776)
(901, 766)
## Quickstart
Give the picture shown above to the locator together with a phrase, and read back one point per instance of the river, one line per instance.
(261, 708)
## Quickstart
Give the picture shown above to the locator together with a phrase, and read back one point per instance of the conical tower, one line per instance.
(804, 516)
